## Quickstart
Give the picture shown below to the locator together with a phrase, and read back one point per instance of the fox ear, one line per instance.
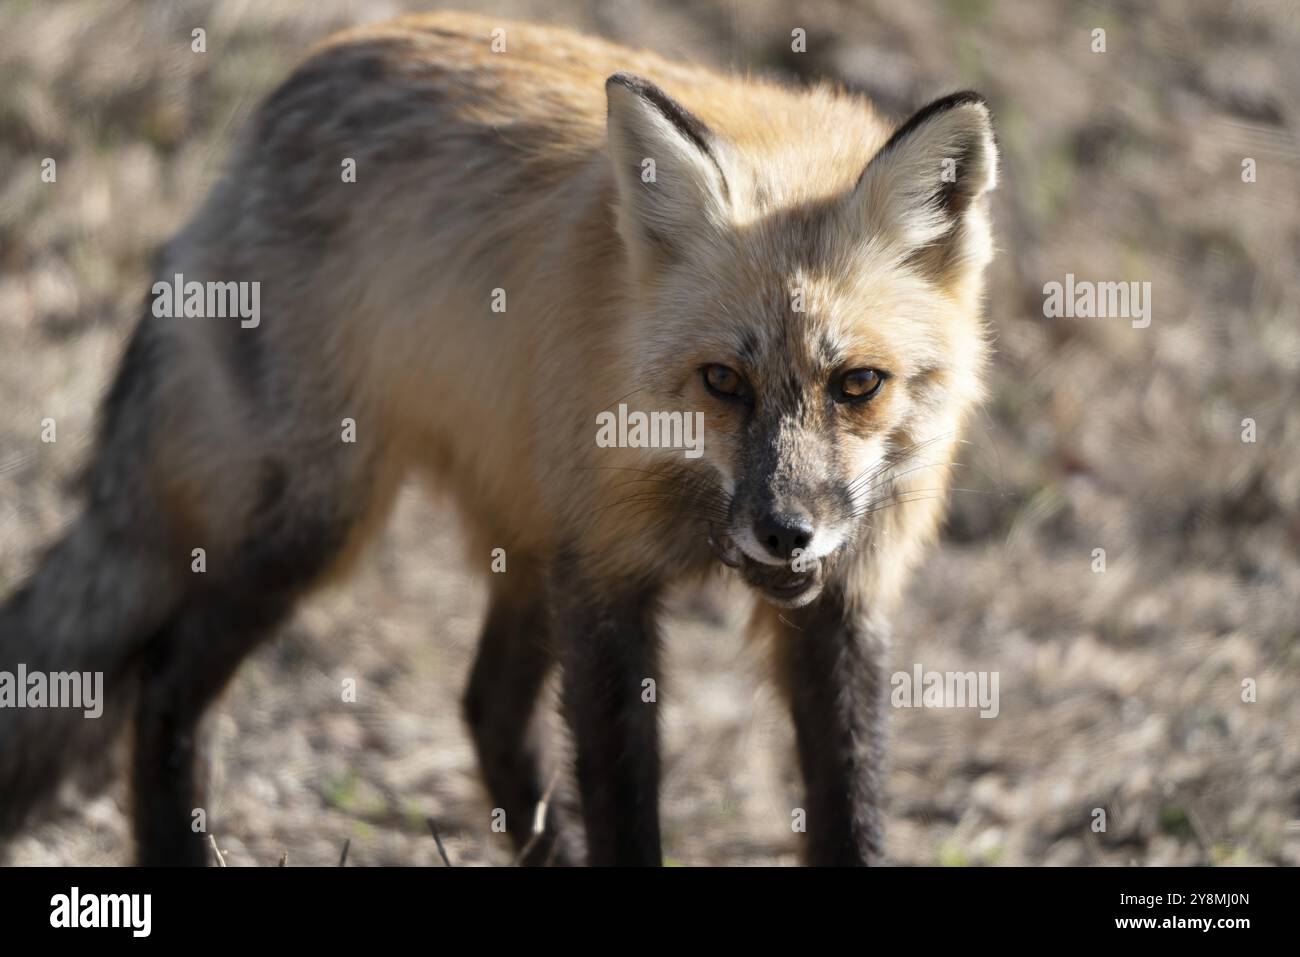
(670, 184)
(925, 186)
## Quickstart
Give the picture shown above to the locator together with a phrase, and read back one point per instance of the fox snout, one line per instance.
(782, 544)
(782, 532)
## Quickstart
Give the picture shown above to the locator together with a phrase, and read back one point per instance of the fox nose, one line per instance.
(781, 533)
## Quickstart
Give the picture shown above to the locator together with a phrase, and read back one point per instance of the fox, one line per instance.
(537, 228)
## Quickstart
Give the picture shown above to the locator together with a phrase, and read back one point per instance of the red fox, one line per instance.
(477, 245)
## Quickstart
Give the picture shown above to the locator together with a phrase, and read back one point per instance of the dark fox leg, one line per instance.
(288, 548)
(610, 649)
(832, 667)
(500, 701)
(183, 671)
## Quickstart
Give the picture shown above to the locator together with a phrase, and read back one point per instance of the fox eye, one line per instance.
(858, 385)
(723, 381)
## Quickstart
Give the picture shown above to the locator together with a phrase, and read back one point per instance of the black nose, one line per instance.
(782, 533)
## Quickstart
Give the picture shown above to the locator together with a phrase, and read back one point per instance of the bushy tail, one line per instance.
(95, 600)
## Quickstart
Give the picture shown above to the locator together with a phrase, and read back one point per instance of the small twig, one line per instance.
(343, 858)
(221, 861)
(539, 821)
(433, 829)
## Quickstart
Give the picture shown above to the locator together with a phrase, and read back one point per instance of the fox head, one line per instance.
(819, 302)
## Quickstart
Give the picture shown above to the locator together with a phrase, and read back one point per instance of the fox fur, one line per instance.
(506, 266)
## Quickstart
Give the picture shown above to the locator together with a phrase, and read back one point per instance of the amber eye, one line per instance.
(860, 384)
(723, 381)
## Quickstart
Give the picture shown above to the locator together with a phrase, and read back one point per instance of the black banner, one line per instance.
(232, 906)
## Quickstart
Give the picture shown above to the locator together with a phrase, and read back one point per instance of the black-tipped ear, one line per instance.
(924, 183)
(671, 186)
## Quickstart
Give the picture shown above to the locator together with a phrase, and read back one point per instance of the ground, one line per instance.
(1155, 681)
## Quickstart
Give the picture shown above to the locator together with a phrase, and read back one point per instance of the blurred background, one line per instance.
(1120, 689)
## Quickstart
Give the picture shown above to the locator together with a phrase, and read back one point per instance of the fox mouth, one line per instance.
(780, 585)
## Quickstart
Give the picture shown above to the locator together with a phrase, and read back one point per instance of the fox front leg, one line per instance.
(609, 650)
(832, 660)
